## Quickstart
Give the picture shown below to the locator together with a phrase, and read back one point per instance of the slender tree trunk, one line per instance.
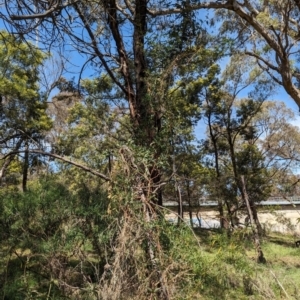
(233, 158)
(213, 138)
(177, 192)
(260, 254)
(25, 167)
(189, 202)
(199, 218)
(255, 218)
(180, 207)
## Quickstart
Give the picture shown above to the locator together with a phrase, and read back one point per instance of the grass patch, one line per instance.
(234, 271)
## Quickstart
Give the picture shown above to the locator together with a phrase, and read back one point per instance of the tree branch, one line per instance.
(3, 141)
(96, 49)
(111, 9)
(66, 160)
(269, 73)
(43, 15)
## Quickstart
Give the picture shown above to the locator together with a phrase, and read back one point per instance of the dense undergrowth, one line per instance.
(63, 244)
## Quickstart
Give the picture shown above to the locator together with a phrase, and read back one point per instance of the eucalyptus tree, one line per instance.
(266, 30)
(232, 135)
(278, 140)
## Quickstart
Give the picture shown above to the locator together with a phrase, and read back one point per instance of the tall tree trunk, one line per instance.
(255, 217)
(189, 202)
(178, 193)
(213, 138)
(25, 167)
(145, 117)
(231, 141)
(180, 207)
(260, 254)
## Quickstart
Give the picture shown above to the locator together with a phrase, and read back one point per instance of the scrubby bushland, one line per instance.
(60, 243)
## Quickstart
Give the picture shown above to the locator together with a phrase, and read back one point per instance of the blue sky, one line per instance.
(280, 95)
(76, 61)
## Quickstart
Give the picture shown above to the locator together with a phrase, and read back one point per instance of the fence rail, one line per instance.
(272, 201)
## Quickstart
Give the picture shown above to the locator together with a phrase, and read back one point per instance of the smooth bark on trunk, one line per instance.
(180, 207)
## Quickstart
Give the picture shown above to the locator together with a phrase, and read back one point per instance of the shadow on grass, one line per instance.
(281, 241)
(205, 234)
